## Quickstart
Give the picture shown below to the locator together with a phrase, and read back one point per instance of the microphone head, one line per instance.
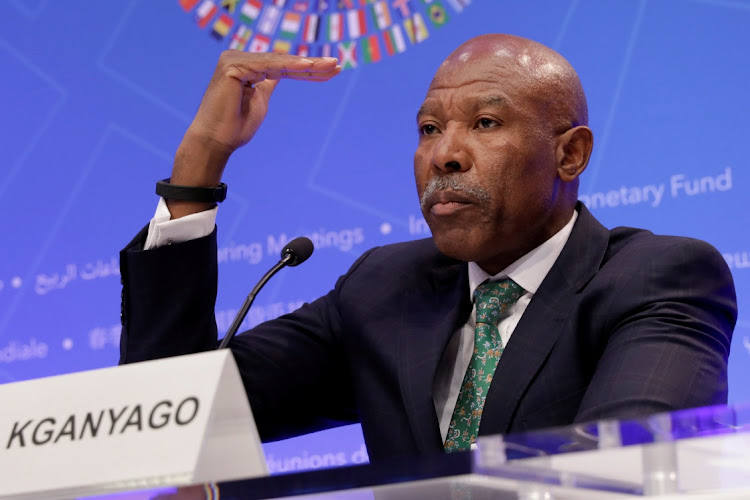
(297, 251)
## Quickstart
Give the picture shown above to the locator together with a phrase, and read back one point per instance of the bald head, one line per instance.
(545, 76)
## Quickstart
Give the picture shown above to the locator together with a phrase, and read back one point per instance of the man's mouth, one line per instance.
(442, 203)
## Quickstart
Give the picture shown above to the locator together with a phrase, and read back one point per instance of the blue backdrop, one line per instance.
(96, 96)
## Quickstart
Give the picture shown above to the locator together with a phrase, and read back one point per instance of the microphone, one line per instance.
(293, 254)
(297, 251)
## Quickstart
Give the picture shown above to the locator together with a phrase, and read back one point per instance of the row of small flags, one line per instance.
(271, 16)
(317, 5)
(415, 28)
(295, 22)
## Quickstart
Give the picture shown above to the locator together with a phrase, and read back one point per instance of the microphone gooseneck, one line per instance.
(293, 254)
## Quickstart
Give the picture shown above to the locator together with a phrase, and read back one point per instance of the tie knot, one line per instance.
(494, 298)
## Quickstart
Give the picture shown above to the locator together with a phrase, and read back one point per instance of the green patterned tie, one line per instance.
(492, 300)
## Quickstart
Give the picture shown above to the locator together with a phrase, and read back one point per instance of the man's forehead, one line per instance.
(472, 99)
(468, 101)
(473, 82)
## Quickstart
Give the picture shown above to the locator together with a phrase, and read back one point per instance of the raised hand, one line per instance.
(231, 111)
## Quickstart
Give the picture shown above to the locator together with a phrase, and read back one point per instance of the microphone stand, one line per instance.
(285, 260)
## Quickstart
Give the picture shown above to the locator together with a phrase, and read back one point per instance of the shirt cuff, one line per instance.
(162, 230)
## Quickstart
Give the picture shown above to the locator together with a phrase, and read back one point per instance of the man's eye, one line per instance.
(487, 123)
(428, 129)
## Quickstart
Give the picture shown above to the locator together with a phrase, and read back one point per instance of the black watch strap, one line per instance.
(191, 193)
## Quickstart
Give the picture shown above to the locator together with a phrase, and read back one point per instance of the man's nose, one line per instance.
(450, 153)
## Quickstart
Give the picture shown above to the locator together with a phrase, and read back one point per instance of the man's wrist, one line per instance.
(198, 162)
(170, 191)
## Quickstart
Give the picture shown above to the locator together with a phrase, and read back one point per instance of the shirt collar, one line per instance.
(530, 270)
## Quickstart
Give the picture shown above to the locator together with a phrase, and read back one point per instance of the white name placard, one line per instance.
(181, 420)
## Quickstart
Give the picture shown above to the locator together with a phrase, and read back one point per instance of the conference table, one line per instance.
(700, 453)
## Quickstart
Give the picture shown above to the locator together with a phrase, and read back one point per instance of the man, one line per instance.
(521, 312)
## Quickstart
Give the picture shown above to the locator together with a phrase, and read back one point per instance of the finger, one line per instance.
(310, 79)
(317, 65)
(304, 75)
(291, 63)
(313, 64)
(253, 77)
(248, 65)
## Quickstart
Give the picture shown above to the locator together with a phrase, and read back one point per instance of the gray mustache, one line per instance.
(452, 183)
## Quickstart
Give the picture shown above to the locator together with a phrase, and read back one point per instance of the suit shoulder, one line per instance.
(643, 262)
(641, 244)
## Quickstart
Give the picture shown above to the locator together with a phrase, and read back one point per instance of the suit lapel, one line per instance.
(544, 318)
(431, 312)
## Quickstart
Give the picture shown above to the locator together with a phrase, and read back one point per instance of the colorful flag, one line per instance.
(458, 5)
(437, 14)
(346, 4)
(381, 14)
(420, 28)
(416, 29)
(370, 49)
(187, 5)
(250, 11)
(409, 29)
(310, 33)
(205, 12)
(303, 50)
(325, 51)
(260, 44)
(240, 38)
(229, 5)
(290, 25)
(222, 26)
(279, 3)
(394, 40)
(335, 27)
(269, 20)
(403, 7)
(283, 46)
(357, 23)
(348, 55)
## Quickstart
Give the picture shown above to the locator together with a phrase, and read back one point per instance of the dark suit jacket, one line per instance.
(626, 323)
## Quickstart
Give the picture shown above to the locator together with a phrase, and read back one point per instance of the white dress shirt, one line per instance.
(529, 271)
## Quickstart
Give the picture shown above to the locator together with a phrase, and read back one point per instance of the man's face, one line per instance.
(485, 164)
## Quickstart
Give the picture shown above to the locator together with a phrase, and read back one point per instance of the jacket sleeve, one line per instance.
(168, 298)
(294, 367)
(669, 343)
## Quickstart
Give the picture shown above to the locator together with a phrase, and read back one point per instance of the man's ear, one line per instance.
(573, 152)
